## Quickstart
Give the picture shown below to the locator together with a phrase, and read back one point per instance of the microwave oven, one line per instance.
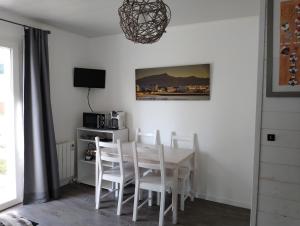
(104, 120)
(96, 120)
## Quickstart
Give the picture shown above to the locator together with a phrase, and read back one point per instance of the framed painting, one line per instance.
(283, 48)
(191, 82)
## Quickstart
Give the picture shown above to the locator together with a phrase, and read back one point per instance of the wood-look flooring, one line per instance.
(76, 208)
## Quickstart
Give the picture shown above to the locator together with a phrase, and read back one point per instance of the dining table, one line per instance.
(174, 158)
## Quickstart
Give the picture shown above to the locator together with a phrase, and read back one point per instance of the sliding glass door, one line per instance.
(9, 159)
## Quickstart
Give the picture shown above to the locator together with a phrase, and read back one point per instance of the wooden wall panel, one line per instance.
(280, 190)
(279, 160)
(280, 155)
(284, 105)
(267, 219)
(279, 206)
(281, 120)
(284, 138)
(281, 173)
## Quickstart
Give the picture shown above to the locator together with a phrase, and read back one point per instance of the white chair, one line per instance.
(152, 138)
(147, 139)
(154, 181)
(123, 174)
(186, 171)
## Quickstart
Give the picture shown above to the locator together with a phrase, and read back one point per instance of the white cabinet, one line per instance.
(86, 138)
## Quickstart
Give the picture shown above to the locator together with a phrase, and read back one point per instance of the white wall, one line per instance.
(66, 50)
(225, 124)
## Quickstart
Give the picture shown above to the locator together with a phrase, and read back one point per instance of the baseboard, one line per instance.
(224, 201)
(65, 181)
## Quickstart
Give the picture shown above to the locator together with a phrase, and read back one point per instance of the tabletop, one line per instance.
(173, 156)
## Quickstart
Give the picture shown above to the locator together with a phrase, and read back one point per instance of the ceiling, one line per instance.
(94, 18)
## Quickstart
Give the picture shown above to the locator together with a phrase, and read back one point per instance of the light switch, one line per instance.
(271, 137)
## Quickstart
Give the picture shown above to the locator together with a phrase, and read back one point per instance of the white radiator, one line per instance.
(66, 161)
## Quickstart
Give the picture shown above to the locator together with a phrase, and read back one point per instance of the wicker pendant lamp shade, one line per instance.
(144, 21)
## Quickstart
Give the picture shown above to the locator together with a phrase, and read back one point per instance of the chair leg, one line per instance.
(192, 197)
(141, 195)
(162, 208)
(182, 202)
(136, 201)
(158, 198)
(120, 200)
(149, 198)
(182, 195)
(98, 192)
(193, 189)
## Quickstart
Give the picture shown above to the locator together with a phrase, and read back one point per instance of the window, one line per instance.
(9, 192)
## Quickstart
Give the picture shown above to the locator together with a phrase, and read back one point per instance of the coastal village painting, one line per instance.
(190, 82)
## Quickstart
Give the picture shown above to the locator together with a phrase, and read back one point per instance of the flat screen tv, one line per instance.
(89, 78)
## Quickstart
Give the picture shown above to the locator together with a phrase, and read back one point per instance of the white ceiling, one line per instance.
(94, 18)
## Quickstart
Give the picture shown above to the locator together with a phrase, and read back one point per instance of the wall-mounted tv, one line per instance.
(89, 78)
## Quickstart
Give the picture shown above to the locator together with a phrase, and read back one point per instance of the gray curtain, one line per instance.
(41, 178)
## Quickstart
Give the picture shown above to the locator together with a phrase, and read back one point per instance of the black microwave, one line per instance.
(96, 120)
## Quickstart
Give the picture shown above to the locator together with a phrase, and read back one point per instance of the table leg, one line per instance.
(193, 189)
(175, 196)
(117, 191)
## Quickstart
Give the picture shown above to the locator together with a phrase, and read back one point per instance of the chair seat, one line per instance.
(114, 174)
(152, 181)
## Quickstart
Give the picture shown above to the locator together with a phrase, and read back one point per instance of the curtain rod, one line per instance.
(23, 25)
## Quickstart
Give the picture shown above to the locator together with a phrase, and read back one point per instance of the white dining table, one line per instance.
(174, 158)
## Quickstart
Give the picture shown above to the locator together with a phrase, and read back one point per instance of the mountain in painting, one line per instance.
(165, 80)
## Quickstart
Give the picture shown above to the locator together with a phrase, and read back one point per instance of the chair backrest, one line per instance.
(140, 137)
(114, 157)
(183, 141)
(139, 162)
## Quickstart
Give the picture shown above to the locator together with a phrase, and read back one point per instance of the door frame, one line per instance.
(259, 109)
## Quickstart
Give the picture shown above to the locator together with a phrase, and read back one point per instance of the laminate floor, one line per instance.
(76, 208)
